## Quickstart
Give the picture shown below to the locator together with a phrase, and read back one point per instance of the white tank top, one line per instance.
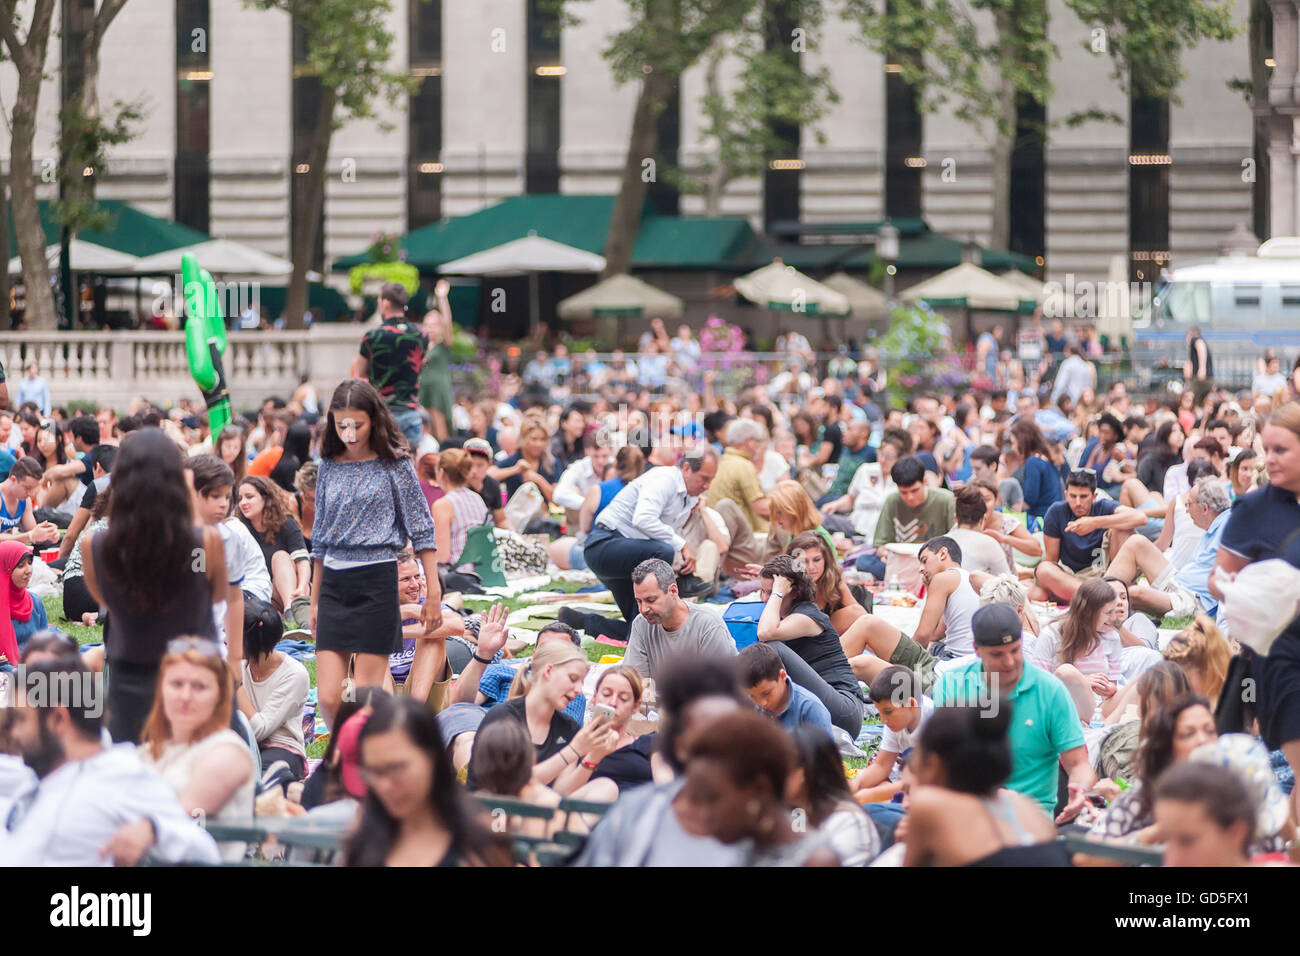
(962, 603)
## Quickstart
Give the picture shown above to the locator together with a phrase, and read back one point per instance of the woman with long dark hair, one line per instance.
(1167, 452)
(822, 566)
(368, 505)
(415, 813)
(807, 642)
(265, 511)
(1083, 649)
(1169, 735)
(819, 789)
(145, 570)
(959, 814)
(1041, 480)
(230, 449)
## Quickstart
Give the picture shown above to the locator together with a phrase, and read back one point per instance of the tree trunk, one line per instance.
(309, 213)
(39, 309)
(721, 174)
(642, 144)
(4, 245)
(1004, 140)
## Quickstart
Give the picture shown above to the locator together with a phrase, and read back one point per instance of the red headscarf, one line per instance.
(17, 601)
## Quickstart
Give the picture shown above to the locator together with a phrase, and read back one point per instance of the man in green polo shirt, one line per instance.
(1045, 728)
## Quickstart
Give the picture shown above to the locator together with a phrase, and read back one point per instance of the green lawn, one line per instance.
(83, 634)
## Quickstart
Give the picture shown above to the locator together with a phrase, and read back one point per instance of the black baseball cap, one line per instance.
(995, 625)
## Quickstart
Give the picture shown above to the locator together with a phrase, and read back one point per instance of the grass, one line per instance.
(83, 634)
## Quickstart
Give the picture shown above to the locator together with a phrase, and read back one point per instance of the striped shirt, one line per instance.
(467, 510)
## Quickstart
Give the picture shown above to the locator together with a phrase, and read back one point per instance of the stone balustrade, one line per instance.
(111, 368)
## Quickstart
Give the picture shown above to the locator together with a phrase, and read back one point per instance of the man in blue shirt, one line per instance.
(1081, 535)
(1045, 732)
(772, 691)
(1170, 590)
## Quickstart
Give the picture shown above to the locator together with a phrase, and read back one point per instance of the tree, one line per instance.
(771, 90)
(349, 48)
(940, 53)
(28, 55)
(663, 38)
(85, 136)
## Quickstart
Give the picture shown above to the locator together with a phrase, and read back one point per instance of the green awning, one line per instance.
(129, 230)
(668, 242)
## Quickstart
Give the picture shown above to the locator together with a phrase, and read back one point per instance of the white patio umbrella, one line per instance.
(865, 301)
(85, 257)
(222, 257)
(1030, 288)
(531, 254)
(967, 285)
(784, 288)
(623, 295)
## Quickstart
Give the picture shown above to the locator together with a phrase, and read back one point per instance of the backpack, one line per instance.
(741, 618)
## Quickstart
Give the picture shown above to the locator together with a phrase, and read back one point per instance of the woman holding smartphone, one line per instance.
(368, 505)
(567, 755)
(618, 699)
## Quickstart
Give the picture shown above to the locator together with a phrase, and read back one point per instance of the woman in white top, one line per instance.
(1007, 530)
(818, 789)
(272, 696)
(188, 739)
(1084, 650)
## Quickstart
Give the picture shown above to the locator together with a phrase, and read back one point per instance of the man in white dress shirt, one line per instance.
(94, 805)
(645, 520)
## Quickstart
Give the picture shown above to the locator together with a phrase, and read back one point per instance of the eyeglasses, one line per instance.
(202, 645)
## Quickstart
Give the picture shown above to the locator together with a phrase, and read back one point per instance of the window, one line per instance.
(1149, 166)
(1291, 296)
(781, 186)
(664, 197)
(424, 116)
(193, 189)
(1187, 303)
(1246, 296)
(542, 160)
(1028, 180)
(903, 134)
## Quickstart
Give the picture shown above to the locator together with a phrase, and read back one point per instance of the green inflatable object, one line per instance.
(205, 342)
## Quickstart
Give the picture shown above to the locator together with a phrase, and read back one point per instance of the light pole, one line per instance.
(887, 250)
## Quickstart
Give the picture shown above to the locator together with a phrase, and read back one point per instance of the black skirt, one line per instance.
(359, 612)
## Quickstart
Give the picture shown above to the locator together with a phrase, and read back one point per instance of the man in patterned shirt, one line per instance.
(390, 358)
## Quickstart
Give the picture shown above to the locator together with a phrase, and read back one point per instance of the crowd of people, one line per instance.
(1067, 662)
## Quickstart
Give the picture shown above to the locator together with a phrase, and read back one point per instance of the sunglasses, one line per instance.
(1085, 474)
(204, 646)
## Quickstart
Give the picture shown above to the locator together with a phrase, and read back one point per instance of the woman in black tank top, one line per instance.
(157, 574)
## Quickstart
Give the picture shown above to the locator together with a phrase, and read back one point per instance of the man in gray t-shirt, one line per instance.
(667, 625)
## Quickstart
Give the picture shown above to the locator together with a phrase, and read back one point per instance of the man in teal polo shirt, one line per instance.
(1044, 722)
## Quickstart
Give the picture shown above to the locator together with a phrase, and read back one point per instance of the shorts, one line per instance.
(1183, 603)
(915, 658)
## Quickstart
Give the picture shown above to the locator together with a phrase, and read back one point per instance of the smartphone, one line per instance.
(602, 712)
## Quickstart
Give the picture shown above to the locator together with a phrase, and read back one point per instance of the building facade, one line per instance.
(507, 104)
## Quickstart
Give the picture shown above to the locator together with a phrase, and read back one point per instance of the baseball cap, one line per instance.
(995, 625)
(349, 746)
(1248, 758)
(478, 446)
